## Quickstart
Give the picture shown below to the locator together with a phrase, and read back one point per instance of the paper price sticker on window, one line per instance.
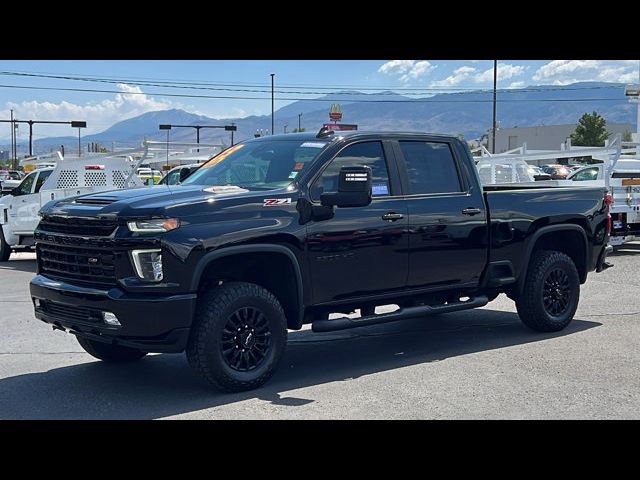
(222, 155)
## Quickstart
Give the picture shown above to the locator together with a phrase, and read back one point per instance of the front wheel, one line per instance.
(5, 249)
(238, 337)
(551, 292)
(108, 352)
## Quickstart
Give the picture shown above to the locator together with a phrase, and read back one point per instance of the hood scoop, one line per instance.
(95, 200)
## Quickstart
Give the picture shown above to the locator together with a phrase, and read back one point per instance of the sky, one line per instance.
(130, 89)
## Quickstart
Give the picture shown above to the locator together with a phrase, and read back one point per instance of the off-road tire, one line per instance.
(108, 352)
(214, 310)
(531, 305)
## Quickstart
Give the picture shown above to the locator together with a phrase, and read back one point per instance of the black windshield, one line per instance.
(262, 165)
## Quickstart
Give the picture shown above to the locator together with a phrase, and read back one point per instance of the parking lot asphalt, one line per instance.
(478, 364)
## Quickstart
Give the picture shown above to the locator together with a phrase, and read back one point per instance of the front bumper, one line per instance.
(149, 322)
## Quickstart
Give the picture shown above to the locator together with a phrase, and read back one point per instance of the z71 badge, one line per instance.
(274, 202)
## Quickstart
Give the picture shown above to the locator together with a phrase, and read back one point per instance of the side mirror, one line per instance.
(354, 189)
(184, 173)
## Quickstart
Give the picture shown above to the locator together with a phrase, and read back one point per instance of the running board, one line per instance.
(345, 323)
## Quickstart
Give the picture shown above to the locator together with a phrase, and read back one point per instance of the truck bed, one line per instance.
(518, 211)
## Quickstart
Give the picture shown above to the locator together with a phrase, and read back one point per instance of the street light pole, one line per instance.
(13, 132)
(233, 125)
(495, 83)
(167, 127)
(299, 123)
(273, 118)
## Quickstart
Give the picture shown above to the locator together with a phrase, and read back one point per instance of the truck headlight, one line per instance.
(158, 225)
(148, 264)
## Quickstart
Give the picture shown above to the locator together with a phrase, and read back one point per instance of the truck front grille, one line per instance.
(78, 226)
(80, 264)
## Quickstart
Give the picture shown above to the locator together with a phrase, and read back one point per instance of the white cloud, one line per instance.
(516, 85)
(459, 75)
(564, 72)
(505, 72)
(99, 115)
(406, 70)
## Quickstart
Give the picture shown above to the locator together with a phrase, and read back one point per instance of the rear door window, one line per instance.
(431, 167)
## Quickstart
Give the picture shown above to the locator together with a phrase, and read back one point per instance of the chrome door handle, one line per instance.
(471, 211)
(392, 217)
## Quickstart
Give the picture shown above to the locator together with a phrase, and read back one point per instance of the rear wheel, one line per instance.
(108, 352)
(551, 292)
(5, 249)
(239, 336)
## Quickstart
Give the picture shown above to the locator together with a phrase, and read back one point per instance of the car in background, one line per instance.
(10, 179)
(149, 176)
(538, 174)
(178, 174)
(557, 172)
(590, 172)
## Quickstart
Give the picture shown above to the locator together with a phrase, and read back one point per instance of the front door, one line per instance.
(447, 217)
(362, 250)
(25, 205)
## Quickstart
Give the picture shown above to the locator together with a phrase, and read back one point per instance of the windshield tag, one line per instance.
(274, 202)
(313, 144)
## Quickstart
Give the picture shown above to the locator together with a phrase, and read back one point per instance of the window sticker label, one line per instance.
(275, 202)
(298, 166)
(293, 175)
(221, 156)
(313, 144)
(379, 189)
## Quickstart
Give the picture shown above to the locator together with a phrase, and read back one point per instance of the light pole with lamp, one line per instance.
(79, 125)
(228, 128)
(167, 128)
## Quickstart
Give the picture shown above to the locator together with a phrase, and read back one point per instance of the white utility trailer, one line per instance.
(69, 178)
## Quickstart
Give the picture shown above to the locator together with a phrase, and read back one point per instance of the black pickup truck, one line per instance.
(281, 231)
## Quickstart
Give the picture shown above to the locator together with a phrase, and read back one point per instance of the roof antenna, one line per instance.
(325, 131)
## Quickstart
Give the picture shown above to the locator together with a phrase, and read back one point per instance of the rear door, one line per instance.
(447, 217)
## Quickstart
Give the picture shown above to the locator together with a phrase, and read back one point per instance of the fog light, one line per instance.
(148, 264)
(111, 319)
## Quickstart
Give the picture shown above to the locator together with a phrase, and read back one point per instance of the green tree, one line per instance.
(302, 129)
(591, 131)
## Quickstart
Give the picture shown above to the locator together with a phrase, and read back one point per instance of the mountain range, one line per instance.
(466, 113)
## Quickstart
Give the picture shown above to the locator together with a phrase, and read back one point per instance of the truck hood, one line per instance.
(158, 200)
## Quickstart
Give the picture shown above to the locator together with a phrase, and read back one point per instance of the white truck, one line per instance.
(618, 170)
(70, 177)
(624, 185)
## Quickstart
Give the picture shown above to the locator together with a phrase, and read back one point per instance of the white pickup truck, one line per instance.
(70, 177)
(624, 185)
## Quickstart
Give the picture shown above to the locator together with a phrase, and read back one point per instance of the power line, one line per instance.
(239, 97)
(228, 86)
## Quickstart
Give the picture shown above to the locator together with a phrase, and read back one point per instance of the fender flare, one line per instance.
(210, 257)
(543, 231)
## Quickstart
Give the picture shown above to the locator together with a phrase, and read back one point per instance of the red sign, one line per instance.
(335, 112)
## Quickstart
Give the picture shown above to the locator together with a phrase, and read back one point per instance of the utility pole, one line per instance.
(299, 123)
(495, 83)
(13, 133)
(233, 124)
(273, 118)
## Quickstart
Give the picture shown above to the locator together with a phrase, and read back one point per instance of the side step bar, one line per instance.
(345, 323)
